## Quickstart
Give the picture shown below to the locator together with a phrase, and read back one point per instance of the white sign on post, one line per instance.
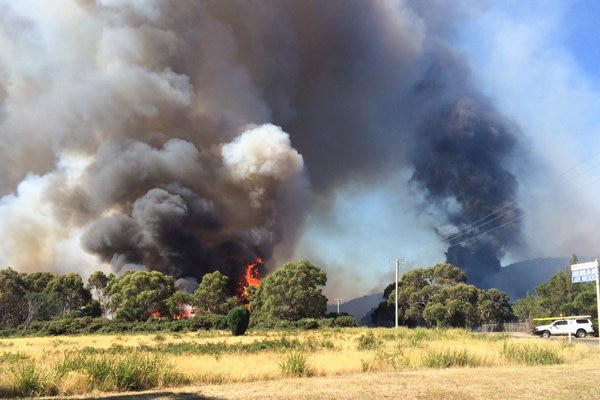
(588, 272)
(584, 272)
(584, 275)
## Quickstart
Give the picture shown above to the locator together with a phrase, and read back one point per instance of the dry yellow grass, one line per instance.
(332, 356)
(576, 381)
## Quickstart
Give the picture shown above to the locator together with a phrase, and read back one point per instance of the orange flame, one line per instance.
(155, 314)
(186, 311)
(250, 278)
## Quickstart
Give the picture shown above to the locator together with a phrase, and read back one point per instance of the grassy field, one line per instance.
(218, 365)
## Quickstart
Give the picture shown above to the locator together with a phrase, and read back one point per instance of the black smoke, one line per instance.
(467, 145)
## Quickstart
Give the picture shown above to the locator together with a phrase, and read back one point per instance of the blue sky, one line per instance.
(538, 63)
(581, 35)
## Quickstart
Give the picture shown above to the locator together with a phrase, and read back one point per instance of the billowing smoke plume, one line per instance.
(182, 136)
(468, 146)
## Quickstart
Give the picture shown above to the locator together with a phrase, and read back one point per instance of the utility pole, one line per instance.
(397, 263)
(338, 305)
(598, 293)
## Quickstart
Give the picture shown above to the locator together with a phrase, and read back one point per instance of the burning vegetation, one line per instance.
(250, 278)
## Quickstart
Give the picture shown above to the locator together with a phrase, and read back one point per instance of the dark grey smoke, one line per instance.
(468, 146)
(172, 103)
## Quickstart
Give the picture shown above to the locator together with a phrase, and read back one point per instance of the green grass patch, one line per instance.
(29, 380)
(450, 358)
(530, 354)
(295, 364)
(159, 337)
(12, 358)
(214, 348)
(124, 372)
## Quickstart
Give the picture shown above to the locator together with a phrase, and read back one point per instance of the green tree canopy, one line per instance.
(417, 287)
(494, 306)
(527, 307)
(212, 295)
(455, 306)
(292, 292)
(37, 282)
(40, 306)
(97, 284)
(439, 296)
(136, 295)
(559, 296)
(69, 291)
(178, 302)
(13, 304)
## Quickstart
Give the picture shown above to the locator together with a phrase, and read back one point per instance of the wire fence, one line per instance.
(504, 327)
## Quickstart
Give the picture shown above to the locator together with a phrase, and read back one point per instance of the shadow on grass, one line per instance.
(153, 396)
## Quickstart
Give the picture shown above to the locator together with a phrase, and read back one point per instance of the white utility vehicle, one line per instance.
(579, 327)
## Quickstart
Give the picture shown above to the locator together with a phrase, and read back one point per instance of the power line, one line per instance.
(516, 203)
(504, 224)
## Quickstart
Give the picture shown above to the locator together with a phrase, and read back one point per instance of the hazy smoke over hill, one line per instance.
(187, 136)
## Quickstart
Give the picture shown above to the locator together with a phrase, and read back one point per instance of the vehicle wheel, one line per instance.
(546, 334)
(581, 333)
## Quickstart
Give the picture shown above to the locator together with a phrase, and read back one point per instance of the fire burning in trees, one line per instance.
(250, 278)
(185, 311)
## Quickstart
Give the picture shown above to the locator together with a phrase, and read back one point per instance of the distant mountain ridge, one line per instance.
(521, 277)
(358, 307)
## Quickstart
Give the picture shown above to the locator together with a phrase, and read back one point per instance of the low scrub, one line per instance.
(88, 325)
(342, 321)
(368, 341)
(385, 360)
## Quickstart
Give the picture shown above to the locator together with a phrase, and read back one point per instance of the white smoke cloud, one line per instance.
(262, 151)
(34, 237)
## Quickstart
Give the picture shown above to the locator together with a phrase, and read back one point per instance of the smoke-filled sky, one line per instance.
(191, 136)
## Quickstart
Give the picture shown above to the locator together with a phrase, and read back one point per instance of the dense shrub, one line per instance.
(87, 325)
(307, 323)
(345, 321)
(208, 322)
(272, 323)
(238, 319)
(368, 341)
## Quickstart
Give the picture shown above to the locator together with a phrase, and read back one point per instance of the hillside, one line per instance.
(519, 278)
(359, 306)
